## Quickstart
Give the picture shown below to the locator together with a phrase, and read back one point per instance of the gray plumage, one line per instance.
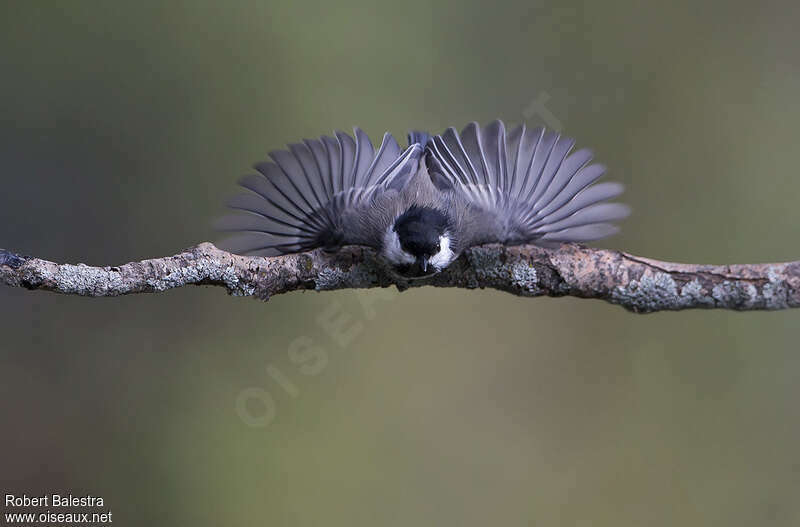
(424, 205)
(314, 194)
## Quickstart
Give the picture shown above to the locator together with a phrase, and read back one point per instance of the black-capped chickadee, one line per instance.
(422, 206)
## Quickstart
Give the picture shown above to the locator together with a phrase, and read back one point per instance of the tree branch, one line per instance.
(639, 284)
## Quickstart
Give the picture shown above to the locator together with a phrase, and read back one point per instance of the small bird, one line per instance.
(421, 207)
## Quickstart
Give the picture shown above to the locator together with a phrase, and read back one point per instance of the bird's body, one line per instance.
(422, 206)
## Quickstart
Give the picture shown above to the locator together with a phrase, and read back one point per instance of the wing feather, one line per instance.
(513, 151)
(322, 160)
(526, 185)
(588, 196)
(585, 233)
(334, 159)
(388, 153)
(311, 174)
(365, 155)
(530, 143)
(304, 197)
(553, 165)
(348, 149)
(597, 213)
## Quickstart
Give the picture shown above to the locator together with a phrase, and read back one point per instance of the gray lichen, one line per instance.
(692, 295)
(523, 276)
(735, 295)
(177, 277)
(654, 292)
(659, 291)
(486, 266)
(775, 292)
(234, 284)
(357, 276)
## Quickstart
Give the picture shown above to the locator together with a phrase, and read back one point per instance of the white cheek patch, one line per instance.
(392, 250)
(445, 255)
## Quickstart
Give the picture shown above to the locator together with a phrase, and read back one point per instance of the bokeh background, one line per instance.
(123, 126)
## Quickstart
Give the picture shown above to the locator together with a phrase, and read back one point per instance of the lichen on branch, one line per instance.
(638, 284)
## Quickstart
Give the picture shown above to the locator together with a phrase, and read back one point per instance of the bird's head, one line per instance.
(419, 243)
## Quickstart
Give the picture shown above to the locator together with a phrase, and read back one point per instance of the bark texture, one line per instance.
(638, 284)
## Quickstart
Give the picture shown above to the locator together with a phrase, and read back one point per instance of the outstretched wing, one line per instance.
(310, 195)
(524, 186)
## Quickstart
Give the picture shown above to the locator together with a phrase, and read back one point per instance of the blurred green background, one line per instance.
(125, 125)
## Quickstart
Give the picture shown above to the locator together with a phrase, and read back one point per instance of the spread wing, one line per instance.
(524, 186)
(315, 194)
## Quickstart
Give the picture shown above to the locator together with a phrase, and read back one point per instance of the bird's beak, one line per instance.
(423, 264)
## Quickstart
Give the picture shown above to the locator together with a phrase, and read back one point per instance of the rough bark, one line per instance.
(638, 284)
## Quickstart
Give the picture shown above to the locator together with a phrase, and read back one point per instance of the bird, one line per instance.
(421, 206)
